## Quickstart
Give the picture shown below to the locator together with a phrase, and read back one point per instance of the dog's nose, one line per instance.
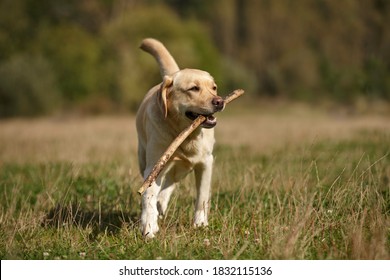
(218, 103)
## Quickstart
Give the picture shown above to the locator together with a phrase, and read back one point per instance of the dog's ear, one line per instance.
(165, 86)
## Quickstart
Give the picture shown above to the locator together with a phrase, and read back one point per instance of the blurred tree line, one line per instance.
(59, 54)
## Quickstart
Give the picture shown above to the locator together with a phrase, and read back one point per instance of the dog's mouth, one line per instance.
(210, 121)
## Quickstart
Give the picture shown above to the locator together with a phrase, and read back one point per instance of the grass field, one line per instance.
(287, 184)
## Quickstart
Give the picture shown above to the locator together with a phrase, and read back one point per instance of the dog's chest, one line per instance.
(196, 149)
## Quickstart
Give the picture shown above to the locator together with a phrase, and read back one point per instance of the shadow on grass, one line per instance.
(98, 220)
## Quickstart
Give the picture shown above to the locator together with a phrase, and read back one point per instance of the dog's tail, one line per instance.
(166, 62)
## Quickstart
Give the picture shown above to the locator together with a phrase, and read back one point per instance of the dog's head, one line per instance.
(189, 93)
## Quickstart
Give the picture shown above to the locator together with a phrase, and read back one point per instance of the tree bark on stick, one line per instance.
(159, 166)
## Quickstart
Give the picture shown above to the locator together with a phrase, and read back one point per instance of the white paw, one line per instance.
(149, 225)
(200, 219)
(149, 230)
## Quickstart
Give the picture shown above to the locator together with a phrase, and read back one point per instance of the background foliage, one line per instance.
(84, 54)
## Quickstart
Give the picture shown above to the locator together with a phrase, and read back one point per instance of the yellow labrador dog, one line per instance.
(166, 110)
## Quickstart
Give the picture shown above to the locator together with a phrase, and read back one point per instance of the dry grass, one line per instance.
(287, 185)
(78, 140)
(266, 131)
(106, 138)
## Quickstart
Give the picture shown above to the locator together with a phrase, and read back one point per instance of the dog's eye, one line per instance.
(214, 87)
(194, 88)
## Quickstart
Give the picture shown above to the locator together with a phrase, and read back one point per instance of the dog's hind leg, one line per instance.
(164, 196)
(177, 171)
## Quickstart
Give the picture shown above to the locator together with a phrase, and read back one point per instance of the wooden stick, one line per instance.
(178, 141)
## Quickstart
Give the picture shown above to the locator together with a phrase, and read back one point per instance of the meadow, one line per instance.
(288, 183)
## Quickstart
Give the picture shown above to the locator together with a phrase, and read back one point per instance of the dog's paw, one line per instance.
(149, 225)
(200, 219)
(149, 231)
(149, 236)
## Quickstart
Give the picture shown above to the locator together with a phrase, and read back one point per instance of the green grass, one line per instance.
(325, 200)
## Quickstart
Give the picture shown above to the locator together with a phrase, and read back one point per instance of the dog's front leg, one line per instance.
(149, 215)
(203, 174)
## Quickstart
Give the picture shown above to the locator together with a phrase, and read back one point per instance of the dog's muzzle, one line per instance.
(218, 105)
